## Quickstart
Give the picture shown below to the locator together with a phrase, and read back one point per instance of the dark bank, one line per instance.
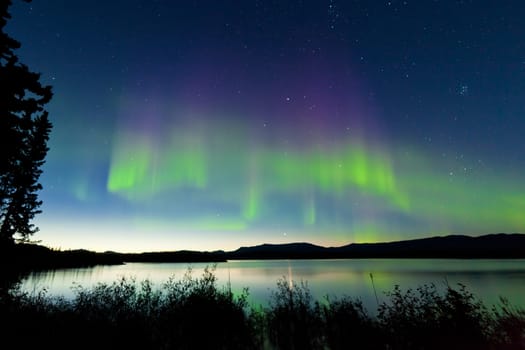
(194, 313)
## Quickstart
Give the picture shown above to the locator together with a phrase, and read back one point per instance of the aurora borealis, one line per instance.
(216, 124)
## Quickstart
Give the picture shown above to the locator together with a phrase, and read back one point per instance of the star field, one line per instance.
(211, 125)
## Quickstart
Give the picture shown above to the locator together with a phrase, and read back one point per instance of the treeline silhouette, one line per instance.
(496, 246)
(194, 313)
(24, 257)
(30, 257)
(24, 133)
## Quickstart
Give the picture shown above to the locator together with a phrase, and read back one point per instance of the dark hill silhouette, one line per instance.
(33, 256)
(278, 251)
(453, 246)
(502, 246)
(178, 256)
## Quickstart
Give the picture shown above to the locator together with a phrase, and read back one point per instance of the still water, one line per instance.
(488, 279)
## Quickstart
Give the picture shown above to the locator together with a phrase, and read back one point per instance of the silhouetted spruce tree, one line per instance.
(24, 132)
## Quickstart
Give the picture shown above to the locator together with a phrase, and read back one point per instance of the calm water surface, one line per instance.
(488, 279)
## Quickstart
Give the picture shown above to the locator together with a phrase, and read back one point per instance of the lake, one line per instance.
(486, 278)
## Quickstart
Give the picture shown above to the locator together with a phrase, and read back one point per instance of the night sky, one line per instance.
(216, 124)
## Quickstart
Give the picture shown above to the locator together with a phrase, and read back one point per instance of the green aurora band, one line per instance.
(348, 188)
(251, 178)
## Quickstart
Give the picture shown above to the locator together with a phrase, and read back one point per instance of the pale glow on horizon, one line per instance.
(120, 236)
(301, 133)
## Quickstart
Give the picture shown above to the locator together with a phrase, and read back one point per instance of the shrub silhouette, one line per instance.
(347, 325)
(426, 319)
(509, 326)
(194, 313)
(292, 319)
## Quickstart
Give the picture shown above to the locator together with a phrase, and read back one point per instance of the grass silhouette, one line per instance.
(194, 313)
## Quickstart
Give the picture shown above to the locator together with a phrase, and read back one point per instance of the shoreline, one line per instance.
(31, 257)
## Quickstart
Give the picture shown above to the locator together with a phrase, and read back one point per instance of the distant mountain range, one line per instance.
(501, 246)
(453, 246)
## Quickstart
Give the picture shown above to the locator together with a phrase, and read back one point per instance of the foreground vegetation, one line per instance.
(194, 313)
